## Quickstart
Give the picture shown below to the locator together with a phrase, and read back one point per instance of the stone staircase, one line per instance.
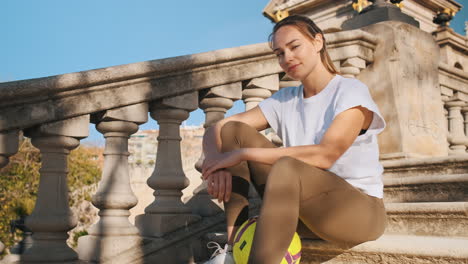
(427, 208)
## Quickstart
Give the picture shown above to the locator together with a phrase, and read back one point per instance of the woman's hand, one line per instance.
(219, 181)
(219, 161)
(219, 185)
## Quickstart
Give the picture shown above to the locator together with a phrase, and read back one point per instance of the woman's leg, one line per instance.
(328, 205)
(235, 135)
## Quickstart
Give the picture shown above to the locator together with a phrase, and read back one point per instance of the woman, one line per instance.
(326, 181)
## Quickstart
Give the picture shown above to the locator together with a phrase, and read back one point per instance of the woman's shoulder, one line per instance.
(287, 92)
(347, 86)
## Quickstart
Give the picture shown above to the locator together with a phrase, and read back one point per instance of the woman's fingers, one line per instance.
(228, 186)
(215, 185)
(219, 185)
(209, 184)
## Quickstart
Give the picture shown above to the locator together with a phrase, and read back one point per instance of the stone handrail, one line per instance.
(55, 113)
(30, 102)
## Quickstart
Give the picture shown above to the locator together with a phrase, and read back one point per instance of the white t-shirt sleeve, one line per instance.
(358, 95)
(271, 109)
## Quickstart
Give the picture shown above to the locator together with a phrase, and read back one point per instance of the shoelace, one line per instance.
(219, 249)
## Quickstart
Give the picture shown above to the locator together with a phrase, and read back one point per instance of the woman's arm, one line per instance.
(338, 138)
(212, 138)
(219, 181)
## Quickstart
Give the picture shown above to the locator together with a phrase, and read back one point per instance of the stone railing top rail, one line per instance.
(453, 78)
(153, 68)
(27, 103)
(448, 36)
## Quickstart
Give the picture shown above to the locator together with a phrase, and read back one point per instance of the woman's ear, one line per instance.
(318, 41)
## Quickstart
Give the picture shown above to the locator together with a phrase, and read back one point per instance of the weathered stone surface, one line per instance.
(441, 179)
(448, 219)
(232, 91)
(378, 13)
(74, 127)
(51, 218)
(409, 95)
(270, 82)
(389, 249)
(37, 101)
(427, 188)
(8, 146)
(137, 113)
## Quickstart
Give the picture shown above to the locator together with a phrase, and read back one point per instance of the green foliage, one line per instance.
(76, 235)
(19, 182)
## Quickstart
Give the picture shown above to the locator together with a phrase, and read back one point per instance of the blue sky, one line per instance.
(50, 37)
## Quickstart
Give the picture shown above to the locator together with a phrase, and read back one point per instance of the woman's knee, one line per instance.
(232, 132)
(282, 174)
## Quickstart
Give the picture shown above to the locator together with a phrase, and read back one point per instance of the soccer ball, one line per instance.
(243, 243)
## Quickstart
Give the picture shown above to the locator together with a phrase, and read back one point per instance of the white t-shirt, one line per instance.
(303, 121)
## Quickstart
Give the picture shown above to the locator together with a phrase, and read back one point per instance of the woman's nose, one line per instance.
(288, 55)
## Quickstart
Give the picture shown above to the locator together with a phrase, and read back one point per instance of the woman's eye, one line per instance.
(294, 47)
(279, 54)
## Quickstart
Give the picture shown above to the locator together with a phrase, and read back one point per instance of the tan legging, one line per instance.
(327, 206)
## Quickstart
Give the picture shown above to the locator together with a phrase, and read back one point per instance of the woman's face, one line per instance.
(297, 54)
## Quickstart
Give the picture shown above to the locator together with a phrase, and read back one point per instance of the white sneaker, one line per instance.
(221, 255)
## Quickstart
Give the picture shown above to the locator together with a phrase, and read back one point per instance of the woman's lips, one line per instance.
(292, 68)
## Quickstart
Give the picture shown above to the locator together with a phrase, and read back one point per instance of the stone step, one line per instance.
(434, 219)
(426, 188)
(389, 249)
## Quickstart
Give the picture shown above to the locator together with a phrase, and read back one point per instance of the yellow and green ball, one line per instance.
(243, 243)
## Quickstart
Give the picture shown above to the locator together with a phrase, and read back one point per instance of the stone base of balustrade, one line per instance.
(49, 251)
(100, 249)
(157, 225)
(204, 205)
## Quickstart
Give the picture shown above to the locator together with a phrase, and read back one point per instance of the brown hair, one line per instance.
(309, 29)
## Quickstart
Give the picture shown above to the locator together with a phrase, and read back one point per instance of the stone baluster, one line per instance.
(465, 113)
(287, 81)
(52, 218)
(167, 212)
(259, 89)
(351, 67)
(445, 99)
(2, 247)
(8, 146)
(114, 233)
(217, 101)
(457, 137)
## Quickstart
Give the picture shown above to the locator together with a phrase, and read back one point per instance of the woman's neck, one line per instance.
(316, 81)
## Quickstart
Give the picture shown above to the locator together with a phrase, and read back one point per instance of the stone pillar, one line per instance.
(351, 67)
(113, 233)
(403, 81)
(167, 212)
(8, 146)
(215, 104)
(52, 218)
(457, 137)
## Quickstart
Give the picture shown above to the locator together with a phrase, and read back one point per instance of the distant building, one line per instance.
(143, 145)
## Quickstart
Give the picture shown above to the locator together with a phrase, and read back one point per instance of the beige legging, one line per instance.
(327, 206)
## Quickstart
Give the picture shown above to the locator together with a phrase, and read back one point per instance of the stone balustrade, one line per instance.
(454, 91)
(56, 111)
